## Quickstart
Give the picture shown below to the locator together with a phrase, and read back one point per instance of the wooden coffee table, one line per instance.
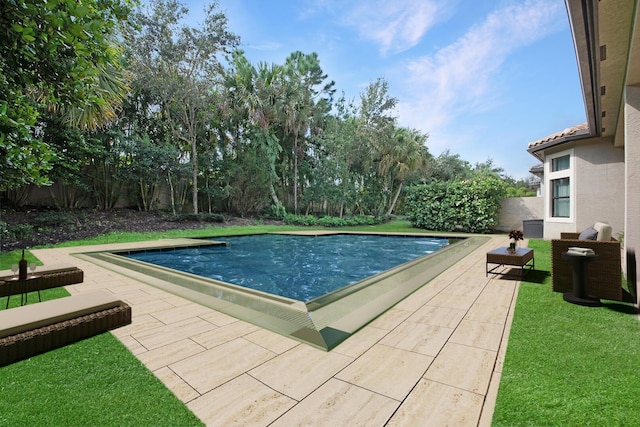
(522, 257)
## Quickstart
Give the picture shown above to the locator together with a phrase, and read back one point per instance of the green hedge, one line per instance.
(470, 206)
(330, 221)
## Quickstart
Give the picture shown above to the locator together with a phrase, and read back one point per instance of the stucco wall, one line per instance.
(517, 209)
(599, 185)
(597, 188)
(632, 170)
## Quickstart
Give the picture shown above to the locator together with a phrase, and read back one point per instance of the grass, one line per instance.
(568, 365)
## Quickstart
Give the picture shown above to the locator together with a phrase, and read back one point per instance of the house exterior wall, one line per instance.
(599, 191)
(596, 174)
(514, 210)
(632, 171)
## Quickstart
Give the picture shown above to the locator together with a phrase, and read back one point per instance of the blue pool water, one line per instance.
(297, 267)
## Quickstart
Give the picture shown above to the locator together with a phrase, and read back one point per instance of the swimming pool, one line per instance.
(323, 321)
(298, 267)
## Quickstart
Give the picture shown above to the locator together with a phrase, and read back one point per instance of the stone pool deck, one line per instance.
(434, 359)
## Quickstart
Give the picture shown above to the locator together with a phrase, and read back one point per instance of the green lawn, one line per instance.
(568, 365)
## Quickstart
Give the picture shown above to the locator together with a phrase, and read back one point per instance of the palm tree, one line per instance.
(254, 95)
(407, 155)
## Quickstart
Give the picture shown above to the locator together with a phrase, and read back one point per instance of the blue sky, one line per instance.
(482, 78)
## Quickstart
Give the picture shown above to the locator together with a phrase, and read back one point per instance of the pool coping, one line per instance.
(324, 322)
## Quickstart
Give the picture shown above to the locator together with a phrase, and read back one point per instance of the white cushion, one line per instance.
(33, 316)
(604, 231)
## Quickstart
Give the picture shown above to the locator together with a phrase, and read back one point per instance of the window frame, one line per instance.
(552, 176)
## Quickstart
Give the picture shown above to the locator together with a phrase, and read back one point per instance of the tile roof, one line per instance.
(582, 128)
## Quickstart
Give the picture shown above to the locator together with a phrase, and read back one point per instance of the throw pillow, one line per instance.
(588, 234)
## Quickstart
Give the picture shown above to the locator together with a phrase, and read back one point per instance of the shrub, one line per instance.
(470, 206)
(53, 219)
(20, 231)
(330, 221)
(202, 217)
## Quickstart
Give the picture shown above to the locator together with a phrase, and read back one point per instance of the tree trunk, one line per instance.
(395, 199)
(194, 166)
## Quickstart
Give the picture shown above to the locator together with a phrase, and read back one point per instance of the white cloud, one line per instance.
(266, 46)
(464, 76)
(395, 26)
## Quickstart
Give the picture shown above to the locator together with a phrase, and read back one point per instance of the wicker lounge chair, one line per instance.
(46, 278)
(36, 328)
(604, 274)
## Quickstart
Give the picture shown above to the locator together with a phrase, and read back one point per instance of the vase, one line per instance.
(512, 247)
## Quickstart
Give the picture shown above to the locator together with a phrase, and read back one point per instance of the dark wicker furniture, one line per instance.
(44, 279)
(605, 273)
(523, 258)
(36, 328)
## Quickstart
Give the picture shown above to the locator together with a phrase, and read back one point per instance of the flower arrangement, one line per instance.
(516, 235)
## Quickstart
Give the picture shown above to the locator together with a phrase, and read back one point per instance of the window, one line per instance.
(560, 163)
(560, 198)
(560, 173)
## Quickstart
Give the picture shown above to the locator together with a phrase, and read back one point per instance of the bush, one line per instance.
(202, 217)
(330, 221)
(470, 206)
(20, 231)
(53, 219)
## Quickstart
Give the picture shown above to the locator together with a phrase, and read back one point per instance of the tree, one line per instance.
(179, 66)
(449, 167)
(408, 156)
(254, 99)
(304, 103)
(51, 54)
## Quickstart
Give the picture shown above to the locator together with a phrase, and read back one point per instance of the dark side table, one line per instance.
(521, 257)
(580, 295)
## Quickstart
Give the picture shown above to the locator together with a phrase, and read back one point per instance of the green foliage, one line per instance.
(520, 192)
(330, 221)
(203, 217)
(51, 54)
(53, 218)
(22, 231)
(470, 206)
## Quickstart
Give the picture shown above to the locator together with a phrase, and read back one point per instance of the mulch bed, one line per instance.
(36, 227)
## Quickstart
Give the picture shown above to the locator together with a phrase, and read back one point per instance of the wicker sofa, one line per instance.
(604, 274)
(36, 328)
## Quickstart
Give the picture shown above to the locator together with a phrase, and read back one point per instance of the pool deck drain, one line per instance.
(435, 358)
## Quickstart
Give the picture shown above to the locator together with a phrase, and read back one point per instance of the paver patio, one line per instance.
(435, 358)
